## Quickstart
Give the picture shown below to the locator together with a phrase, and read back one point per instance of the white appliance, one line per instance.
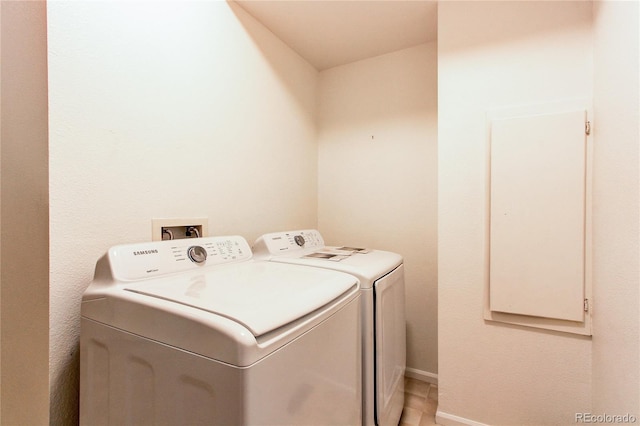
(381, 277)
(195, 332)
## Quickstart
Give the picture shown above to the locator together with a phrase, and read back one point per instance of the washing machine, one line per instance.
(196, 332)
(381, 277)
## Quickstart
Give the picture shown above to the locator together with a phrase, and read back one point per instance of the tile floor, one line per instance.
(420, 403)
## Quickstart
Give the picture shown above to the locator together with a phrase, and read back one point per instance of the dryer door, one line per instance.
(390, 342)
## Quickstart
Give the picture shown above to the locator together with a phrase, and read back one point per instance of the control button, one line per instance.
(197, 254)
(299, 239)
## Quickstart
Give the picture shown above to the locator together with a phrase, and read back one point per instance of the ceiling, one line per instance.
(328, 33)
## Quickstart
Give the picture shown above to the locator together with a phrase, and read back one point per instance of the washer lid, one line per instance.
(261, 296)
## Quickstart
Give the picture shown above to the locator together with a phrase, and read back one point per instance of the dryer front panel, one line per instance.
(390, 343)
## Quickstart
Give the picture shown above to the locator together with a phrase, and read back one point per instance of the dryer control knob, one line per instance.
(197, 254)
(299, 239)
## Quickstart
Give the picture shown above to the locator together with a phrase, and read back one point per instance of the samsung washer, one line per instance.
(196, 332)
(381, 277)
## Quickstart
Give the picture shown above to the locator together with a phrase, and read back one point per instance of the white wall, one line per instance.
(616, 336)
(24, 319)
(166, 109)
(377, 124)
(493, 55)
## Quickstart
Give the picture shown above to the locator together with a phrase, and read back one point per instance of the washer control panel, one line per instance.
(282, 242)
(138, 261)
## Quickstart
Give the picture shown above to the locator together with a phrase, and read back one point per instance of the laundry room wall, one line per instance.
(616, 334)
(24, 217)
(496, 55)
(164, 110)
(377, 138)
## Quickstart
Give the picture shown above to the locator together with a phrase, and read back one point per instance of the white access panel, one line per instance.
(537, 215)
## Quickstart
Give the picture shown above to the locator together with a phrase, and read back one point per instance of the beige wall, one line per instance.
(377, 124)
(24, 309)
(496, 55)
(170, 109)
(616, 337)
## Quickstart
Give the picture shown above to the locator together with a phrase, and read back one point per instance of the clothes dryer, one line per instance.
(381, 277)
(195, 332)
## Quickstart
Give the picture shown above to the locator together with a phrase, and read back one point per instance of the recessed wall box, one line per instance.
(175, 229)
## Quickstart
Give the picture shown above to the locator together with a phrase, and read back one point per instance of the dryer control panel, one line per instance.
(291, 241)
(307, 243)
(139, 261)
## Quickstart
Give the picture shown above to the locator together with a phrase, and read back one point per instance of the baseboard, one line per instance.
(446, 419)
(425, 376)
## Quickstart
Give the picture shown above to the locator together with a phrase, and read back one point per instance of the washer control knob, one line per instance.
(197, 254)
(299, 239)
